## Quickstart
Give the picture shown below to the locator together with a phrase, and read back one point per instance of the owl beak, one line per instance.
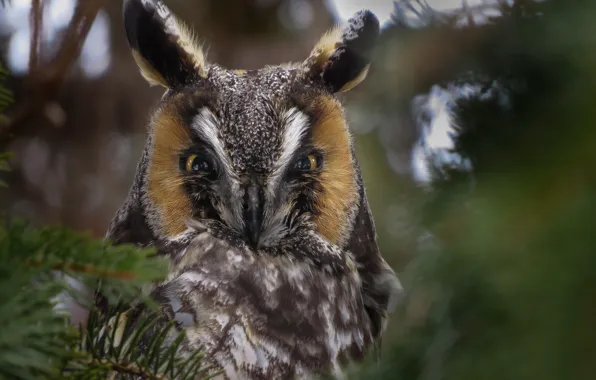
(253, 213)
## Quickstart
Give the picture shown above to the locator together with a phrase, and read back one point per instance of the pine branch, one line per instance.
(113, 349)
(39, 342)
(51, 248)
(85, 269)
(35, 335)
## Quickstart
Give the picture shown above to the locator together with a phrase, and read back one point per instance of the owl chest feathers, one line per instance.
(261, 315)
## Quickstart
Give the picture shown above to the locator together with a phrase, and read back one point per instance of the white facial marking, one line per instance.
(295, 123)
(206, 125)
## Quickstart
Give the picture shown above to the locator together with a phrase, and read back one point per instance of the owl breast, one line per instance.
(268, 315)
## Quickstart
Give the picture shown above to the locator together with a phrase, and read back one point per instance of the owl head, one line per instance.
(266, 153)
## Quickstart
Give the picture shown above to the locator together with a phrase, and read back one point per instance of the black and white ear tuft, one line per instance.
(161, 45)
(342, 56)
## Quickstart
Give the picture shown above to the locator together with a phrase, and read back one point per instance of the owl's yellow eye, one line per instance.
(314, 162)
(197, 164)
(308, 163)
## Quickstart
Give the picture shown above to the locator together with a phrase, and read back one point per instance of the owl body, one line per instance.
(250, 185)
(268, 315)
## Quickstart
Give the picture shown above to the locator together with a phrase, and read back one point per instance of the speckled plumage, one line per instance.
(277, 315)
(275, 271)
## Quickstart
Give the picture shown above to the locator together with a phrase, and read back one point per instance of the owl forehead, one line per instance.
(250, 113)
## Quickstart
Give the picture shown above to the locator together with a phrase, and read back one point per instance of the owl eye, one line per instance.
(308, 163)
(196, 164)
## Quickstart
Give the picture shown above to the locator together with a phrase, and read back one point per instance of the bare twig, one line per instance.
(36, 20)
(43, 85)
(75, 37)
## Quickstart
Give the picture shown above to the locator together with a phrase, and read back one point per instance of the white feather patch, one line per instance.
(206, 125)
(296, 124)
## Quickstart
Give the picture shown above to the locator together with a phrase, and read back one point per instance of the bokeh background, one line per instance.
(475, 130)
(75, 155)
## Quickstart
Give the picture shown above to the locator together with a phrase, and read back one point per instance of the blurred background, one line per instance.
(76, 142)
(475, 130)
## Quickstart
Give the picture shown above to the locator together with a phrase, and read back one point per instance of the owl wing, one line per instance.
(381, 289)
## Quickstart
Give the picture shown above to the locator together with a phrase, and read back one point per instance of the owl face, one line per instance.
(265, 153)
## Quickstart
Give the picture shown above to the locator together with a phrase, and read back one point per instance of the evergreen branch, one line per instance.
(37, 338)
(111, 345)
(34, 337)
(52, 248)
(122, 368)
(39, 342)
(86, 269)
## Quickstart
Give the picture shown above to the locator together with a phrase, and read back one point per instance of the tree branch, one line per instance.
(43, 86)
(75, 37)
(36, 20)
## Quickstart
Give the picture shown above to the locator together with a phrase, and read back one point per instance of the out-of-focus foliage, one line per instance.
(5, 94)
(39, 342)
(5, 100)
(502, 285)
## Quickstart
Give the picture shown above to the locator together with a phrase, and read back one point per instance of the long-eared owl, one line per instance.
(249, 184)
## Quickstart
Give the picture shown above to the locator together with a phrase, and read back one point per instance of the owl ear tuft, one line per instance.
(342, 56)
(162, 46)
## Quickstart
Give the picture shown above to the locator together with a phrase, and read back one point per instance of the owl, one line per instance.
(249, 184)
